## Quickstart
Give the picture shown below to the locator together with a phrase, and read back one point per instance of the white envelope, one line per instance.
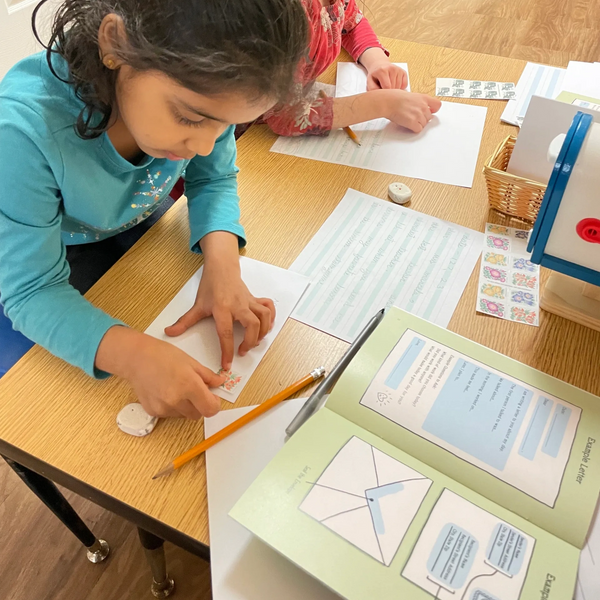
(368, 498)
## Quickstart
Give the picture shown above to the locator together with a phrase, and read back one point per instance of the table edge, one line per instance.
(106, 501)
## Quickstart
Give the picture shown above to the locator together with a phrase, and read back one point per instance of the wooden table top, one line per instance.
(57, 420)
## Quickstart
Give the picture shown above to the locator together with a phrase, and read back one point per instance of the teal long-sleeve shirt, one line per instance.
(57, 189)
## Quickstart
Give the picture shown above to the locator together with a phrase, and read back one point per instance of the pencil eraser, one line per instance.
(134, 420)
(399, 192)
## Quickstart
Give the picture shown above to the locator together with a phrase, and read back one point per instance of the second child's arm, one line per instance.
(407, 109)
(361, 42)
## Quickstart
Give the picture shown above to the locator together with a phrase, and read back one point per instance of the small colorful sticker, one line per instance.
(501, 260)
(524, 264)
(499, 243)
(493, 291)
(525, 281)
(492, 274)
(522, 315)
(232, 379)
(521, 234)
(491, 308)
(523, 297)
(498, 229)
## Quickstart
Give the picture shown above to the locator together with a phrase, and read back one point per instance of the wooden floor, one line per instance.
(31, 568)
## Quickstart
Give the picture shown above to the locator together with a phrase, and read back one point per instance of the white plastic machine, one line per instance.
(566, 235)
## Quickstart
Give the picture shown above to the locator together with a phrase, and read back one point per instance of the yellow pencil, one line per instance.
(348, 131)
(226, 431)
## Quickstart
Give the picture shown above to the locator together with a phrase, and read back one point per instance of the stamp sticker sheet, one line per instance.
(508, 281)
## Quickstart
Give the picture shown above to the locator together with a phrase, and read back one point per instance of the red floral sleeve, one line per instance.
(357, 33)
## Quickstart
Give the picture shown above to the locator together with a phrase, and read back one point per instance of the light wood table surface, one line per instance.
(60, 423)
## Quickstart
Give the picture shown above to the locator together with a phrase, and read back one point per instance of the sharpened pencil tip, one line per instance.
(166, 471)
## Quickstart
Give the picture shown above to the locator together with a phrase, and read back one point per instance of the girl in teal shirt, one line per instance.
(130, 96)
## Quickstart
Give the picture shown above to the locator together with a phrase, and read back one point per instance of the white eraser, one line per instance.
(399, 192)
(134, 420)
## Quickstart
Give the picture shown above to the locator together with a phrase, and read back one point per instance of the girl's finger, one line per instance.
(251, 325)
(396, 78)
(404, 83)
(384, 80)
(271, 306)
(264, 316)
(434, 104)
(203, 400)
(224, 322)
(372, 84)
(191, 317)
(188, 410)
(209, 377)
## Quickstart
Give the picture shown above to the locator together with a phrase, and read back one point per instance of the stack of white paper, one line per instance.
(538, 80)
(243, 567)
(582, 78)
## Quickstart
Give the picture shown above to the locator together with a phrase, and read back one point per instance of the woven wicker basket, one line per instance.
(514, 196)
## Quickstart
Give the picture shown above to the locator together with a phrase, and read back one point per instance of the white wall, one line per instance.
(16, 37)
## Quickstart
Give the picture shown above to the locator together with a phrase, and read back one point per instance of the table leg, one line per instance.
(162, 585)
(49, 494)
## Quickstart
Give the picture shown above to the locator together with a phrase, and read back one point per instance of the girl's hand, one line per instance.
(224, 295)
(167, 381)
(408, 109)
(381, 73)
(387, 76)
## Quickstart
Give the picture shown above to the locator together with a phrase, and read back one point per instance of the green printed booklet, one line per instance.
(438, 469)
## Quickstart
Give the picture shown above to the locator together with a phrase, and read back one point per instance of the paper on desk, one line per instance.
(201, 341)
(582, 78)
(371, 253)
(243, 567)
(509, 282)
(539, 80)
(445, 151)
(588, 578)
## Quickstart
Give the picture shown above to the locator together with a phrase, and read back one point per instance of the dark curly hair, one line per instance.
(208, 46)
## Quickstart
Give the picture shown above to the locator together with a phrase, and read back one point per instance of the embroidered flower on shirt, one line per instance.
(155, 192)
(325, 19)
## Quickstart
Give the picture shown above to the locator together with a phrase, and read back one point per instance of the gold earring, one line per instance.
(109, 63)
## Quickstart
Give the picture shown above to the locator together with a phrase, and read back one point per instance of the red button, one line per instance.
(589, 230)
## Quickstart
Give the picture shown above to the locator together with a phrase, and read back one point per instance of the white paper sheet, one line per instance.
(544, 120)
(582, 78)
(352, 79)
(242, 567)
(588, 578)
(201, 341)
(539, 80)
(445, 151)
(371, 253)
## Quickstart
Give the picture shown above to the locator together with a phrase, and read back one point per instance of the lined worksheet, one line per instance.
(445, 151)
(371, 253)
